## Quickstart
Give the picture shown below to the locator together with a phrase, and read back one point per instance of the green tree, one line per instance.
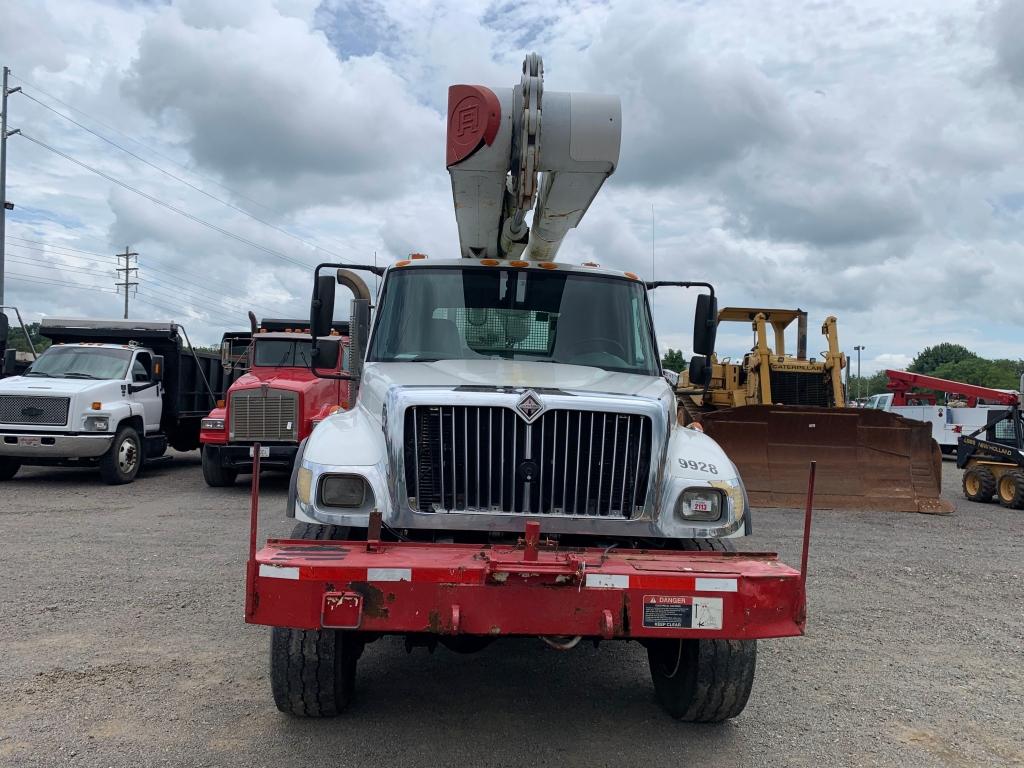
(673, 360)
(930, 359)
(866, 386)
(16, 338)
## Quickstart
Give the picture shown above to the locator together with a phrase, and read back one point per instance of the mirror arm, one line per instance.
(652, 284)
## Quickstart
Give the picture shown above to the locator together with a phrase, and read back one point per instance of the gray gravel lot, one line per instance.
(123, 644)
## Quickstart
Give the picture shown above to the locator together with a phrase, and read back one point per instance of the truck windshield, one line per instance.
(81, 363)
(282, 353)
(474, 313)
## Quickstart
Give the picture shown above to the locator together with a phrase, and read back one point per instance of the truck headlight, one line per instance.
(97, 423)
(303, 484)
(700, 504)
(213, 423)
(343, 491)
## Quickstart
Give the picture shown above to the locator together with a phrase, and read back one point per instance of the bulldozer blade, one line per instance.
(867, 459)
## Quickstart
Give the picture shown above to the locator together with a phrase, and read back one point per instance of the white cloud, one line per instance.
(857, 158)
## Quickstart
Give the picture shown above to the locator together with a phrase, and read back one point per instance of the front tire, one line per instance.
(314, 531)
(979, 484)
(702, 681)
(313, 671)
(214, 473)
(121, 463)
(1010, 489)
(9, 468)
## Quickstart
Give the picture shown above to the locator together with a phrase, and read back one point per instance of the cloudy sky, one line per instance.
(861, 158)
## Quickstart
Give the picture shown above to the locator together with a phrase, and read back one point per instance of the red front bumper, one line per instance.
(524, 590)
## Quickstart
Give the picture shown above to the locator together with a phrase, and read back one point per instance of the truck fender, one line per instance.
(289, 509)
(347, 438)
(125, 413)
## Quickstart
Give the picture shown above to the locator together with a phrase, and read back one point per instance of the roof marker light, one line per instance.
(519, 263)
(403, 263)
(548, 265)
(417, 256)
(490, 262)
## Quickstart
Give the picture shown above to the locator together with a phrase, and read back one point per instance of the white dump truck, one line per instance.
(108, 393)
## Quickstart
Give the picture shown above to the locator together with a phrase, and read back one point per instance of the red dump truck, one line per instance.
(276, 403)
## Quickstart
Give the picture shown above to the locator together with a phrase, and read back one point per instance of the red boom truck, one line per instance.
(276, 403)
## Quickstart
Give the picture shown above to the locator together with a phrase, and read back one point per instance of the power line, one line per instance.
(187, 183)
(187, 289)
(62, 247)
(177, 178)
(49, 281)
(139, 143)
(172, 292)
(167, 205)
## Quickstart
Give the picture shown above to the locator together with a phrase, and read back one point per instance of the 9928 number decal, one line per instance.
(698, 466)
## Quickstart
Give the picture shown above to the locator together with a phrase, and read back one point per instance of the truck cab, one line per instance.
(108, 393)
(275, 403)
(494, 392)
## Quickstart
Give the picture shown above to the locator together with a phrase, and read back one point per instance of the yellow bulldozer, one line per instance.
(773, 412)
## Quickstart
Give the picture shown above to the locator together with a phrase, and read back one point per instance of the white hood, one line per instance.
(378, 378)
(39, 385)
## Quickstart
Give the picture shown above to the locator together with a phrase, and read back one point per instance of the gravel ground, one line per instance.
(123, 644)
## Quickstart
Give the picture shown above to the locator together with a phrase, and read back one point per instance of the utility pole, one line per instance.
(4, 205)
(128, 269)
(860, 381)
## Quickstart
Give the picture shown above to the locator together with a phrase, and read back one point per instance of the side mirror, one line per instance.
(327, 351)
(321, 308)
(705, 325)
(158, 367)
(700, 371)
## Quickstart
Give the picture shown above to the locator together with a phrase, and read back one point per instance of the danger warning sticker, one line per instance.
(682, 612)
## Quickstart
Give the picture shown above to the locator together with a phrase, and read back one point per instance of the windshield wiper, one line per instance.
(39, 373)
(77, 375)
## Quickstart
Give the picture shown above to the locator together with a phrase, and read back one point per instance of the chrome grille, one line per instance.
(257, 415)
(34, 409)
(487, 459)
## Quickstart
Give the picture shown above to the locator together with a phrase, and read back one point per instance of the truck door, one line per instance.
(146, 391)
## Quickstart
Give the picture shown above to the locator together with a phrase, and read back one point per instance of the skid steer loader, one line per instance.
(772, 412)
